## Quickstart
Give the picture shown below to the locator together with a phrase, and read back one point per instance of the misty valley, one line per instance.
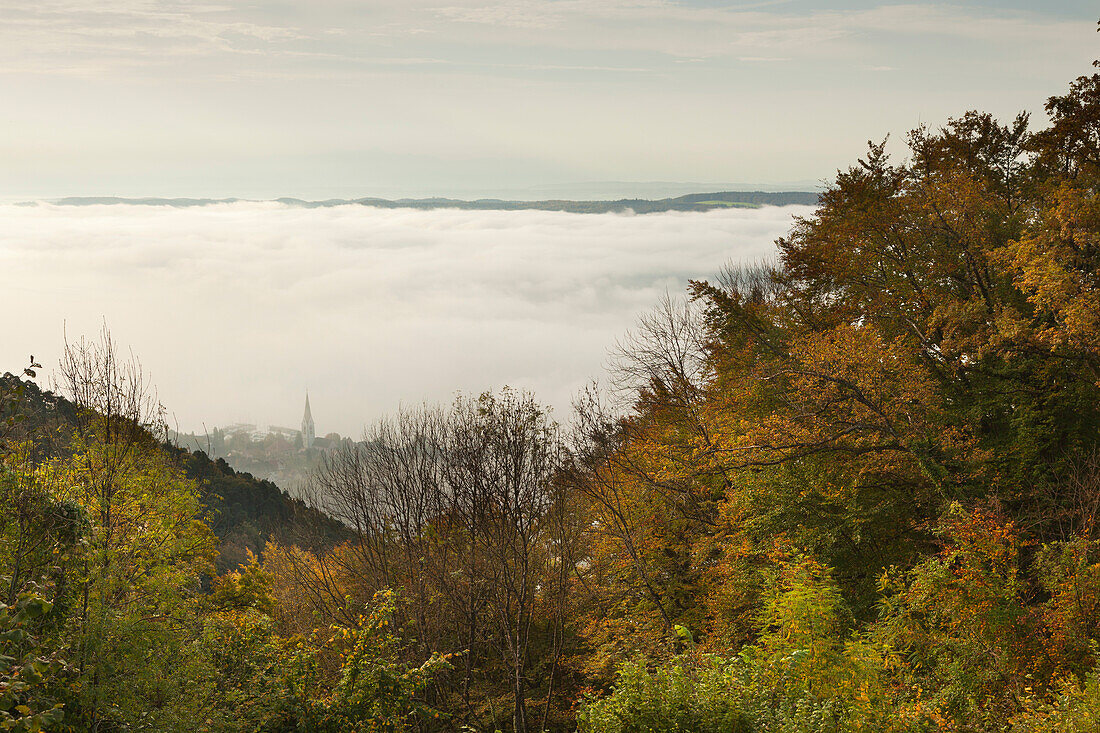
(814, 459)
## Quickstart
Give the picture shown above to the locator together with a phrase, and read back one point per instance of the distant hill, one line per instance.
(688, 202)
(244, 512)
(614, 190)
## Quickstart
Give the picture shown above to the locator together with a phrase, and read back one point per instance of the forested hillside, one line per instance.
(853, 489)
(244, 513)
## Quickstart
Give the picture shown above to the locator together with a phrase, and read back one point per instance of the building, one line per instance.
(308, 435)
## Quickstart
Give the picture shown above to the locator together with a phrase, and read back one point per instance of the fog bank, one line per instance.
(235, 310)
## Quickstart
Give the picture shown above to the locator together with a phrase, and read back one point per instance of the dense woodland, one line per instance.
(856, 489)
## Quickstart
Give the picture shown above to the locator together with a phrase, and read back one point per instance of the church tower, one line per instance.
(307, 426)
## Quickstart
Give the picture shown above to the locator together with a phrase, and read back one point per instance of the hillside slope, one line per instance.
(244, 512)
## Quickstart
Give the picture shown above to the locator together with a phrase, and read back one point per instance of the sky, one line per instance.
(344, 98)
(236, 310)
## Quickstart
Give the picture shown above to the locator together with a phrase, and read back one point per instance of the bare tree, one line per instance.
(457, 508)
(1072, 505)
(505, 453)
(664, 357)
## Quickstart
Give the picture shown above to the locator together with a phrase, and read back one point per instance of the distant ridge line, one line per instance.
(688, 202)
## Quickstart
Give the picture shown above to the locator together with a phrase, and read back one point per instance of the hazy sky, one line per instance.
(359, 97)
(236, 309)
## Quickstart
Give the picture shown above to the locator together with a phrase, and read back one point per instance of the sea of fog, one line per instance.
(235, 310)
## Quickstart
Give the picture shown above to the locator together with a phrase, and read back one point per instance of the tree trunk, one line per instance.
(519, 716)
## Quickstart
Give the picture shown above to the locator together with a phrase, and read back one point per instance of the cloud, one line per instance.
(236, 309)
(932, 19)
(70, 36)
(681, 29)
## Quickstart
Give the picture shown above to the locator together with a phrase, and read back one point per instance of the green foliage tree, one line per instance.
(27, 670)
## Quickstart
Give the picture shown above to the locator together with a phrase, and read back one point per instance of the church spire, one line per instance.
(307, 426)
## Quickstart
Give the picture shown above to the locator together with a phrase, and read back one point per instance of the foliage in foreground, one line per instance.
(911, 398)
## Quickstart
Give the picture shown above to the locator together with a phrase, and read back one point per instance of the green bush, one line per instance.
(702, 696)
(26, 670)
(806, 674)
(1076, 709)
